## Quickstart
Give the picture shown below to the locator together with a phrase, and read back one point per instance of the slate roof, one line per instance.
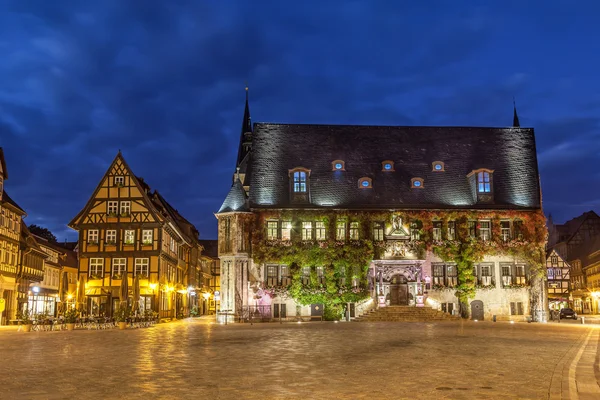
(186, 227)
(6, 198)
(236, 199)
(210, 248)
(3, 164)
(277, 148)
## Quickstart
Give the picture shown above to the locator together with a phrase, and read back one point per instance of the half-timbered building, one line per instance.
(559, 281)
(21, 260)
(126, 229)
(332, 220)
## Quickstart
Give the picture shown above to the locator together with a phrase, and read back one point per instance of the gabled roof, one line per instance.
(29, 240)
(588, 252)
(3, 164)
(573, 225)
(236, 199)
(210, 248)
(509, 152)
(8, 200)
(139, 182)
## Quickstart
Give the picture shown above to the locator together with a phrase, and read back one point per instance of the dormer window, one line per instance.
(338, 165)
(438, 166)
(417, 183)
(387, 166)
(365, 183)
(299, 184)
(482, 184)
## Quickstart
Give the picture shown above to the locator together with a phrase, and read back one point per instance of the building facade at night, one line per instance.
(329, 220)
(125, 227)
(21, 259)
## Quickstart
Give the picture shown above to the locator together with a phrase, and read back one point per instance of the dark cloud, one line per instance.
(163, 82)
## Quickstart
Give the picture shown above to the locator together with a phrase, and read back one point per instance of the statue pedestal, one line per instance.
(381, 301)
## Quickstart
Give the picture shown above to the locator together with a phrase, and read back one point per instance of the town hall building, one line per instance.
(332, 221)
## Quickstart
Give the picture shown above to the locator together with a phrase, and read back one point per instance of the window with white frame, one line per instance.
(142, 267)
(485, 230)
(286, 278)
(307, 230)
(129, 237)
(354, 231)
(147, 236)
(125, 207)
(506, 274)
(272, 278)
(320, 231)
(483, 182)
(340, 233)
(300, 182)
(520, 278)
(286, 230)
(305, 275)
(451, 230)
(111, 236)
(119, 265)
(96, 267)
(321, 275)
(272, 230)
(437, 230)
(505, 230)
(438, 274)
(93, 236)
(119, 180)
(451, 276)
(112, 207)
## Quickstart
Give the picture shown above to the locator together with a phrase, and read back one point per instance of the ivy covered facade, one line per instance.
(331, 221)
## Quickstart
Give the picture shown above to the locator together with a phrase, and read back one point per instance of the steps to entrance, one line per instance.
(405, 314)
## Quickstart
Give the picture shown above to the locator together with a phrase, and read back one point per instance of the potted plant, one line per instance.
(70, 318)
(121, 315)
(26, 321)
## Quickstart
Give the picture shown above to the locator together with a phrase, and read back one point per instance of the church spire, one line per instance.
(516, 123)
(245, 136)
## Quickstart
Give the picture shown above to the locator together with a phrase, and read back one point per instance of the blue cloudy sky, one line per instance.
(164, 82)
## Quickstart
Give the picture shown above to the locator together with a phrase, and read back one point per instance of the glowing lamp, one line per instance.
(152, 286)
(69, 296)
(206, 295)
(35, 289)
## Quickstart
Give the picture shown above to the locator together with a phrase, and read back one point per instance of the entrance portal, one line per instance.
(477, 310)
(398, 291)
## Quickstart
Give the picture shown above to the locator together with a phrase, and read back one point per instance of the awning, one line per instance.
(96, 292)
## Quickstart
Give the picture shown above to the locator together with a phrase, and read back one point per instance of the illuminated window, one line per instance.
(354, 234)
(272, 228)
(96, 267)
(112, 207)
(300, 182)
(365, 183)
(378, 230)
(142, 267)
(340, 233)
(307, 230)
(93, 236)
(451, 230)
(111, 236)
(129, 236)
(387, 166)
(485, 230)
(119, 265)
(437, 230)
(320, 231)
(147, 236)
(417, 183)
(483, 182)
(286, 230)
(338, 165)
(438, 166)
(125, 208)
(505, 230)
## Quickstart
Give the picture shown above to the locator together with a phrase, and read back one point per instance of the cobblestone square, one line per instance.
(198, 359)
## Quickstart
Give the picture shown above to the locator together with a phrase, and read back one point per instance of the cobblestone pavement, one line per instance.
(318, 360)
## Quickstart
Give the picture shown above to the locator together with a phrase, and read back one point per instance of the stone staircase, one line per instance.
(405, 314)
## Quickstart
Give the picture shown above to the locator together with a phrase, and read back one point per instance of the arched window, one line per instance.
(417, 183)
(365, 183)
(299, 184)
(437, 166)
(387, 166)
(338, 165)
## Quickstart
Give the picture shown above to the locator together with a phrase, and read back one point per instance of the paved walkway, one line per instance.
(197, 359)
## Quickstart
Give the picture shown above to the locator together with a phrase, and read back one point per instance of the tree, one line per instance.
(42, 232)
